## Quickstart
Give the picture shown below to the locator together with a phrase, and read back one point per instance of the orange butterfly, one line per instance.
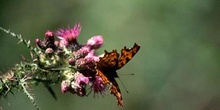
(110, 63)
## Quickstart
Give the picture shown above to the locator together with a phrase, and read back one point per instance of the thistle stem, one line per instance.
(21, 39)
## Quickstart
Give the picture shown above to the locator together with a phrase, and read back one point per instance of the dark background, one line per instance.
(177, 67)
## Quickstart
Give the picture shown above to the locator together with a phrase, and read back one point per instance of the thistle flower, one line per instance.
(92, 55)
(72, 61)
(49, 51)
(86, 66)
(49, 34)
(68, 36)
(65, 86)
(82, 52)
(76, 85)
(81, 80)
(48, 41)
(98, 86)
(95, 42)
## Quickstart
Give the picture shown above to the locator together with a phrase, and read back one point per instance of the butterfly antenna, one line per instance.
(123, 85)
(128, 74)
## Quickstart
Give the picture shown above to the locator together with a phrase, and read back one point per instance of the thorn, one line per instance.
(23, 57)
(32, 56)
(20, 40)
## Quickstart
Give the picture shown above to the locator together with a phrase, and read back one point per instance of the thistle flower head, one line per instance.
(49, 34)
(92, 55)
(49, 51)
(98, 85)
(72, 61)
(48, 41)
(77, 84)
(86, 65)
(69, 35)
(65, 86)
(81, 80)
(82, 52)
(95, 42)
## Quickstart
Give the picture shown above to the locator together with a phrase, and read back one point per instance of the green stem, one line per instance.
(21, 39)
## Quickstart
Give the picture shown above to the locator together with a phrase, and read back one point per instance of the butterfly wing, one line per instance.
(116, 92)
(106, 69)
(109, 60)
(127, 55)
(107, 66)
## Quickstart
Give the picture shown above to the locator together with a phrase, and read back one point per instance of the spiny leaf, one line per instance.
(49, 88)
(23, 84)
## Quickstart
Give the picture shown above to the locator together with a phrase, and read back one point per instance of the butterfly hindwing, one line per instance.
(103, 76)
(115, 90)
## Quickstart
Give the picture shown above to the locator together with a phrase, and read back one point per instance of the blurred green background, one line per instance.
(177, 67)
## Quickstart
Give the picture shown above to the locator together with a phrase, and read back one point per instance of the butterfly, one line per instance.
(110, 63)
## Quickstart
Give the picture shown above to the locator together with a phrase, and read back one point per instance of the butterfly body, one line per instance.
(110, 63)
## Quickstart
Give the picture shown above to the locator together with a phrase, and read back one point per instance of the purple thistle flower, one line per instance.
(82, 52)
(72, 61)
(86, 66)
(80, 63)
(39, 43)
(49, 34)
(65, 85)
(98, 85)
(78, 84)
(69, 35)
(48, 41)
(49, 37)
(57, 43)
(92, 55)
(95, 42)
(81, 80)
(63, 43)
(49, 51)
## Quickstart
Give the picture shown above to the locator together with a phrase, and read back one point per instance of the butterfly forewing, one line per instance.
(109, 60)
(127, 55)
